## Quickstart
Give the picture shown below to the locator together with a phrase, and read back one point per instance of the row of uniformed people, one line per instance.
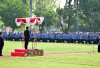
(12, 35)
(65, 36)
(55, 36)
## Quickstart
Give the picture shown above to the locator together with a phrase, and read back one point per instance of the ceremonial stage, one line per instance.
(34, 21)
(27, 52)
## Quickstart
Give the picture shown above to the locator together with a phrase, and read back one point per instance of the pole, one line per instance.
(77, 18)
(30, 12)
(35, 38)
(93, 46)
(32, 43)
(30, 8)
(23, 39)
(31, 16)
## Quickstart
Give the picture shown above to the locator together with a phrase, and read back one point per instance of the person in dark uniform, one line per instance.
(99, 45)
(27, 37)
(1, 43)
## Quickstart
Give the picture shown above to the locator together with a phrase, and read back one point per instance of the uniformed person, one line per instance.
(27, 37)
(1, 43)
(99, 45)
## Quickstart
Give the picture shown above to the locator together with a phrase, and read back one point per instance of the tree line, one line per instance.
(63, 19)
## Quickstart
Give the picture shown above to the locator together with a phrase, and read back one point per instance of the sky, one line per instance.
(62, 3)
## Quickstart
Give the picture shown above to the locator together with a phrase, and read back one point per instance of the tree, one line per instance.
(10, 10)
(90, 10)
(1, 0)
(68, 15)
(25, 2)
(60, 13)
(45, 4)
(46, 8)
(50, 18)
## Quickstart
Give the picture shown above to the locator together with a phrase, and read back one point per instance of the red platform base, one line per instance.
(27, 52)
(17, 54)
(20, 52)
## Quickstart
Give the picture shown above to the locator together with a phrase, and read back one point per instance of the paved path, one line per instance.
(55, 54)
(69, 53)
(8, 56)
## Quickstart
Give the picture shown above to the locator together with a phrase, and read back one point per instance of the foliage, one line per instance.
(1, 0)
(11, 9)
(45, 4)
(64, 18)
(68, 16)
(25, 2)
(89, 14)
(46, 8)
(90, 11)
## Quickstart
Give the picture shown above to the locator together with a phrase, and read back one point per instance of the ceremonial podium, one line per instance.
(27, 52)
(34, 51)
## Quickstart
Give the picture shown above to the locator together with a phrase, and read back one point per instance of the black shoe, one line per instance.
(1, 55)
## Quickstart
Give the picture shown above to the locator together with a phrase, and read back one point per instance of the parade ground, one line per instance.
(56, 55)
(49, 33)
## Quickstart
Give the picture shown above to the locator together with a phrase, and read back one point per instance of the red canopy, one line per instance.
(30, 20)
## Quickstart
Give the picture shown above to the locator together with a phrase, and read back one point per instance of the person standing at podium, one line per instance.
(27, 37)
(1, 43)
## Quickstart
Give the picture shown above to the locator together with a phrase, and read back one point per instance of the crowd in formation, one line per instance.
(59, 37)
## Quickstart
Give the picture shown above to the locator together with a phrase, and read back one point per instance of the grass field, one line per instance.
(91, 60)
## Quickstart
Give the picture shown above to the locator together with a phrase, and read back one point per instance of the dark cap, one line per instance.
(27, 27)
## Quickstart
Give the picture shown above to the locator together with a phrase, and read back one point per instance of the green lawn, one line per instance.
(50, 47)
(91, 60)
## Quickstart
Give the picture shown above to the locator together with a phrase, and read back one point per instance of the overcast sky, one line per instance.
(62, 3)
